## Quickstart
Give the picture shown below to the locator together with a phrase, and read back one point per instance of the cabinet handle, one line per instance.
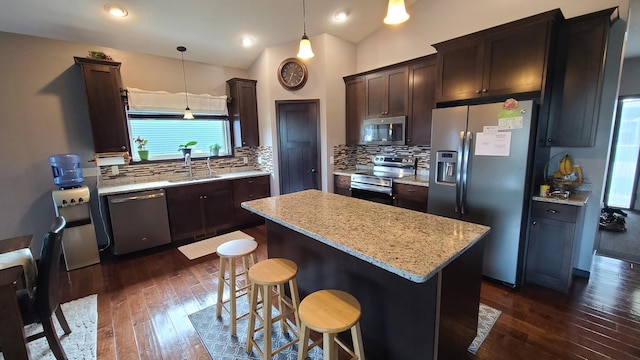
(204, 197)
(411, 190)
(123, 147)
(250, 181)
(485, 90)
(549, 140)
(534, 222)
(478, 91)
(553, 211)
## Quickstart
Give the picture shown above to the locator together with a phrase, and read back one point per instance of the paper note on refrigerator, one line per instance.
(493, 144)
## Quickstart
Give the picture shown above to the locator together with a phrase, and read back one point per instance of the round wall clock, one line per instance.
(292, 74)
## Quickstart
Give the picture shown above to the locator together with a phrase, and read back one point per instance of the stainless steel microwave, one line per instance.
(385, 131)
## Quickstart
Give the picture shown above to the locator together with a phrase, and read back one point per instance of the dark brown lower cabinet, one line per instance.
(200, 210)
(247, 189)
(553, 238)
(342, 185)
(413, 197)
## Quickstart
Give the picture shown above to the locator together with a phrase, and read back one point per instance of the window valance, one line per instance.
(146, 101)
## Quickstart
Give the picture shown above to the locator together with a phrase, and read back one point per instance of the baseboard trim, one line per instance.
(581, 273)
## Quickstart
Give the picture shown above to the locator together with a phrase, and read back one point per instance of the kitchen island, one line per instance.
(417, 276)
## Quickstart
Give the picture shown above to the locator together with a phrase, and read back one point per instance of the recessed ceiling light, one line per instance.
(115, 10)
(341, 15)
(248, 41)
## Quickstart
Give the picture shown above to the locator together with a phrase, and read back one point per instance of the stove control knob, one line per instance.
(80, 200)
(64, 202)
(73, 201)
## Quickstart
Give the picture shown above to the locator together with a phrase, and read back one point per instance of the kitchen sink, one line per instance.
(195, 179)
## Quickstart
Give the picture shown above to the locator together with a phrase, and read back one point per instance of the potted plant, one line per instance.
(142, 148)
(186, 148)
(215, 149)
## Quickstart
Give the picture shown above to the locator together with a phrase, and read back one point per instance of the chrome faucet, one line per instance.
(187, 162)
(209, 166)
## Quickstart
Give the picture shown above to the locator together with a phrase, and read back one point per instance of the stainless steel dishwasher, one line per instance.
(139, 220)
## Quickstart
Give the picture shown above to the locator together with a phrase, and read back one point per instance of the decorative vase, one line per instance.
(144, 154)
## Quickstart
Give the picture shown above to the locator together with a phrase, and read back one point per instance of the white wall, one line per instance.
(630, 81)
(433, 21)
(333, 59)
(45, 111)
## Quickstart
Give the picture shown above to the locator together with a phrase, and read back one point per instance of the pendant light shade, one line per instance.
(305, 51)
(396, 13)
(188, 115)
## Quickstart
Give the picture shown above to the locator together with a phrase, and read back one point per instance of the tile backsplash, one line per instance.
(348, 157)
(258, 158)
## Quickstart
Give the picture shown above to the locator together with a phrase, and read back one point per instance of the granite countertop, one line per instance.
(410, 244)
(420, 180)
(578, 198)
(126, 188)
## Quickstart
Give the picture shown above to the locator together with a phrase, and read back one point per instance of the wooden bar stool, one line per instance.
(266, 277)
(330, 312)
(229, 252)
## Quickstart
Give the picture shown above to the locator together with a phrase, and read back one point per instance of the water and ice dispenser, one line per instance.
(446, 167)
(72, 201)
(66, 169)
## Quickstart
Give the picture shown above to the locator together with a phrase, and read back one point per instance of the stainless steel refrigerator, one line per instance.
(481, 158)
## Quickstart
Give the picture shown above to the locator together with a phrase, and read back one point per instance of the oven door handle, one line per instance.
(373, 188)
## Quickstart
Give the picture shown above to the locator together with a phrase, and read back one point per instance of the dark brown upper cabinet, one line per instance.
(422, 100)
(104, 90)
(386, 93)
(243, 112)
(575, 99)
(507, 59)
(355, 108)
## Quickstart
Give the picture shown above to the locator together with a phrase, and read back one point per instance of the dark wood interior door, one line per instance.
(298, 135)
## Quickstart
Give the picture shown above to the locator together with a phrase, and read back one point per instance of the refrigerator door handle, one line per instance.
(465, 171)
(459, 172)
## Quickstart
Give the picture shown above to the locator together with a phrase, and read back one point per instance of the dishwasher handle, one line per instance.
(154, 195)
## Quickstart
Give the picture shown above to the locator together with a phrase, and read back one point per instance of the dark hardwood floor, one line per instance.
(144, 300)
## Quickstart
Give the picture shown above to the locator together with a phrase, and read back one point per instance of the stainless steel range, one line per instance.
(377, 184)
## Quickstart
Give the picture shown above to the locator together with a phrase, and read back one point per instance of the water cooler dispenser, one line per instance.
(446, 167)
(79, 243)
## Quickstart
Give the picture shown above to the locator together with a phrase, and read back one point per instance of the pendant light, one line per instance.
(396, 13)
(188, 115)
(305, 51)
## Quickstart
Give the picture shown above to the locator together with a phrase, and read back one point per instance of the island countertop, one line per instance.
(407, 243)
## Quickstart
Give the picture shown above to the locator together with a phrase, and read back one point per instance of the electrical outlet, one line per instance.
(331, 159)
(115, 170)
(245, 159)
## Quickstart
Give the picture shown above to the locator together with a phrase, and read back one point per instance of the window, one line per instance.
(165, 133)
(623, 173)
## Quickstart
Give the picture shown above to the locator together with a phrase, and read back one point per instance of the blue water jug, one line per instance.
(66, 169)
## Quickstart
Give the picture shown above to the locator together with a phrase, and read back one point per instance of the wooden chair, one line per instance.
(230, 252)
(46, 299)
(330, 312)
(269, 277)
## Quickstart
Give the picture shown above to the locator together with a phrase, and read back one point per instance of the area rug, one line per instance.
(623, 245)
(209, 246)
(214, 333)
(487, 317)
(82, 316)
